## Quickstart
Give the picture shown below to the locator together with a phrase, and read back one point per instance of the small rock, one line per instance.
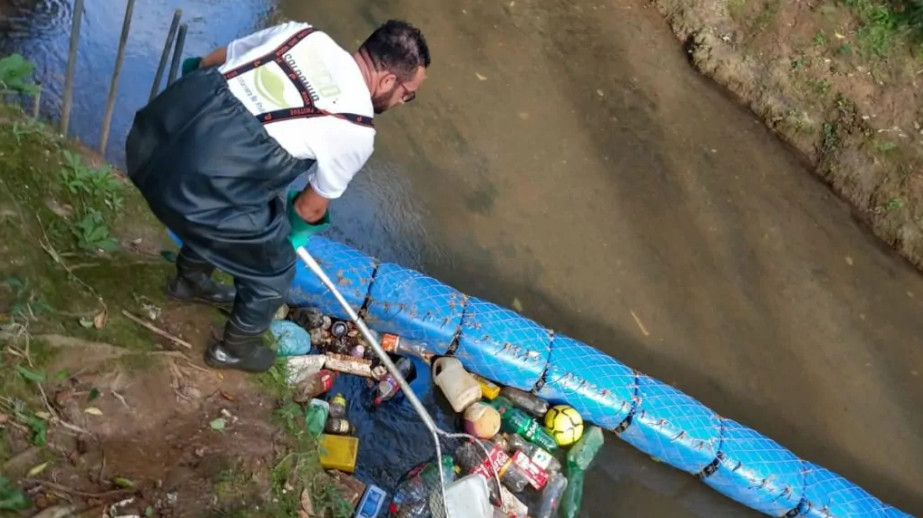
(849, 260)
(199, 452)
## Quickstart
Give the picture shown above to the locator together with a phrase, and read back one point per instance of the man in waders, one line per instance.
(215, 153)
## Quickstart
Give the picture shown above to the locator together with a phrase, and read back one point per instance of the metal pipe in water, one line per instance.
(119, 58)
(177, 54)
(71, 67)
(166, 53)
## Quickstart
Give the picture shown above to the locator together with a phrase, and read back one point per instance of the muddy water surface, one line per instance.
(565, 155)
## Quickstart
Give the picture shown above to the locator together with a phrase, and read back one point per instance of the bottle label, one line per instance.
(390, 342)
(497, 458)
(534, 474)
(541, 458)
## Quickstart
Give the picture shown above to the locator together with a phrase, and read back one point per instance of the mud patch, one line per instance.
(846, 97)
(170, 436)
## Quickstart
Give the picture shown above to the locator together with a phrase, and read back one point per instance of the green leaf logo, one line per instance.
(270, 86)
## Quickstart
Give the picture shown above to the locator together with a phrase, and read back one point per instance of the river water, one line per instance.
(563, 156)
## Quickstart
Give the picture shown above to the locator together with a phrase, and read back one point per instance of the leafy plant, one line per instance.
(92, 232)
(12, 498)
(99, 184)
(14, 69)
(26, 304)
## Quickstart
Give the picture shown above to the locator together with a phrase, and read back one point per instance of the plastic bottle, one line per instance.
(314, 385)
(357, 351)
(338, 406)
(472, 459)
(515, 420)
(411, 496)
(388, 386)
(394, 344)
(536, 454)
(551, 496)
(339, 426)
(316, 416)
(512, 506)
(459, 387)
(579, 458)
(530, 403)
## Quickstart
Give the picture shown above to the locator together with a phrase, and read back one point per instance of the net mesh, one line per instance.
(415, 307)
(673, 427)
(756, 470)
(502, 345)
(599, 387)
(349, 269)
(511, 350)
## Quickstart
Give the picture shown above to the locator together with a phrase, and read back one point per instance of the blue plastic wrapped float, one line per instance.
(756, 471)
(416, 307)
(601, 388)
(673, 427)
(503, 346)
(661, 421)
(828, 495)
(348, 268)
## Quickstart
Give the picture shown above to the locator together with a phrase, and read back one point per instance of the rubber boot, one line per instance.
(239, 350)
(194, 283)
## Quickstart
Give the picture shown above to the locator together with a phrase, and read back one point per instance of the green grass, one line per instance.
(299, 465)
(885, 25)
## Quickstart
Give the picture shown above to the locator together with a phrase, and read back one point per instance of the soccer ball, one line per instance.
(565, 424)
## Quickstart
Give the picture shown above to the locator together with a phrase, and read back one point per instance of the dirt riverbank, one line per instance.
(839, 81)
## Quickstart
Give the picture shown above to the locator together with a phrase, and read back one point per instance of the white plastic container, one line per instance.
(467, 497)
(459, 387)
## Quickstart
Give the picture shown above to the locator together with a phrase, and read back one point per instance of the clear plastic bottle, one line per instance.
(531, 403)
(471, 459)
(536, 454)
(551, 496)
(388, 386)
(394, 344)
(314, 385)
(411, 497)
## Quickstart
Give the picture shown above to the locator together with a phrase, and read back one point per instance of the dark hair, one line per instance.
(397, 47)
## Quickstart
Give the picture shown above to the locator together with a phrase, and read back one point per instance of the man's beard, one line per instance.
(380, 101)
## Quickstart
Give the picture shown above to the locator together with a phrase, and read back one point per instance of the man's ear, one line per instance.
(386, 82)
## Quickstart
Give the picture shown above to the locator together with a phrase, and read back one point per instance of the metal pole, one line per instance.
(166, 52)
(119, 57)
(177, 54)
(37, 101)
(71, 67)
(382, 355)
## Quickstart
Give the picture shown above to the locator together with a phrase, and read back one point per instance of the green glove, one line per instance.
(301, 229)
(190, 64)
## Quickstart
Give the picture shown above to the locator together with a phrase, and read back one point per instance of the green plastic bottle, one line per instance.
(514, 420)
(316, 416)
(579, 459)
